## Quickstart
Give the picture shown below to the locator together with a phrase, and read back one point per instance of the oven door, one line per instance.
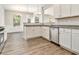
(1, 41)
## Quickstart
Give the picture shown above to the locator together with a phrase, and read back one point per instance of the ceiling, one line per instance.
(26, 7)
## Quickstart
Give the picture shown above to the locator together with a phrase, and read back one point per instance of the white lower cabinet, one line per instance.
(45, 32)
(36, 31)
(32, 31)
(65, 37)
(54, 35)
(69, 38)
(75, 40)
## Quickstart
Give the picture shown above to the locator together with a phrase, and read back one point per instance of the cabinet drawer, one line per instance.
(62, 30)
(75, 30)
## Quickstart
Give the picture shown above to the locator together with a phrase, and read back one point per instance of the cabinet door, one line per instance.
(45, 32)
(75, 40)
(75, 10)
(29, 32)
(57, 11)
(65, 37)
(32, 32)
(65, 10)
(54, 35)
(37, 31)
(1, 16)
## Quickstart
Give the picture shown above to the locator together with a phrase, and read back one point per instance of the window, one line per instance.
(16, 20)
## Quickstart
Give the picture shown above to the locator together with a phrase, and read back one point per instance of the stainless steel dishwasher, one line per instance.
(55, 35)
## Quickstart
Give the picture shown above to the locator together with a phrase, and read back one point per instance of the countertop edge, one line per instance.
(57, 26)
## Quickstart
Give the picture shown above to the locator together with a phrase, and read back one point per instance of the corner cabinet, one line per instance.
(45, 32)
(65, 37)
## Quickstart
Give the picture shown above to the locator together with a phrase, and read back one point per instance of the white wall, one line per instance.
(26, 16)
(48, 18)
(49, 11)
(68, 21)
(9, 22)
(1, 16)
(2, 21)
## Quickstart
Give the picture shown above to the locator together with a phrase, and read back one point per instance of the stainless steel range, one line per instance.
(1, 39)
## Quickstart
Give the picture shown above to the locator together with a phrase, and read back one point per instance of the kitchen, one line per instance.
(39, 29)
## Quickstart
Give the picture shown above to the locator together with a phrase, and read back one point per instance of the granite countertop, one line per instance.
(48, 23)
(51, 25)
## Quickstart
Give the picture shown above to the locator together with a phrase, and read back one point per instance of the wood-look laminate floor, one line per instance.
(16, 45)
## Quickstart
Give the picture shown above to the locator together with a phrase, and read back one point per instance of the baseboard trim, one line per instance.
(13, 32)
(45, 38)
(34, 37)
(73, 52)
(37, 38)
(55, 43)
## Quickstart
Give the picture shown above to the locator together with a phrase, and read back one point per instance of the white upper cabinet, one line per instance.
(62, 10)
(57, 11)
(1, 16)
(68, 10)
(65, 10)
(74, 9)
